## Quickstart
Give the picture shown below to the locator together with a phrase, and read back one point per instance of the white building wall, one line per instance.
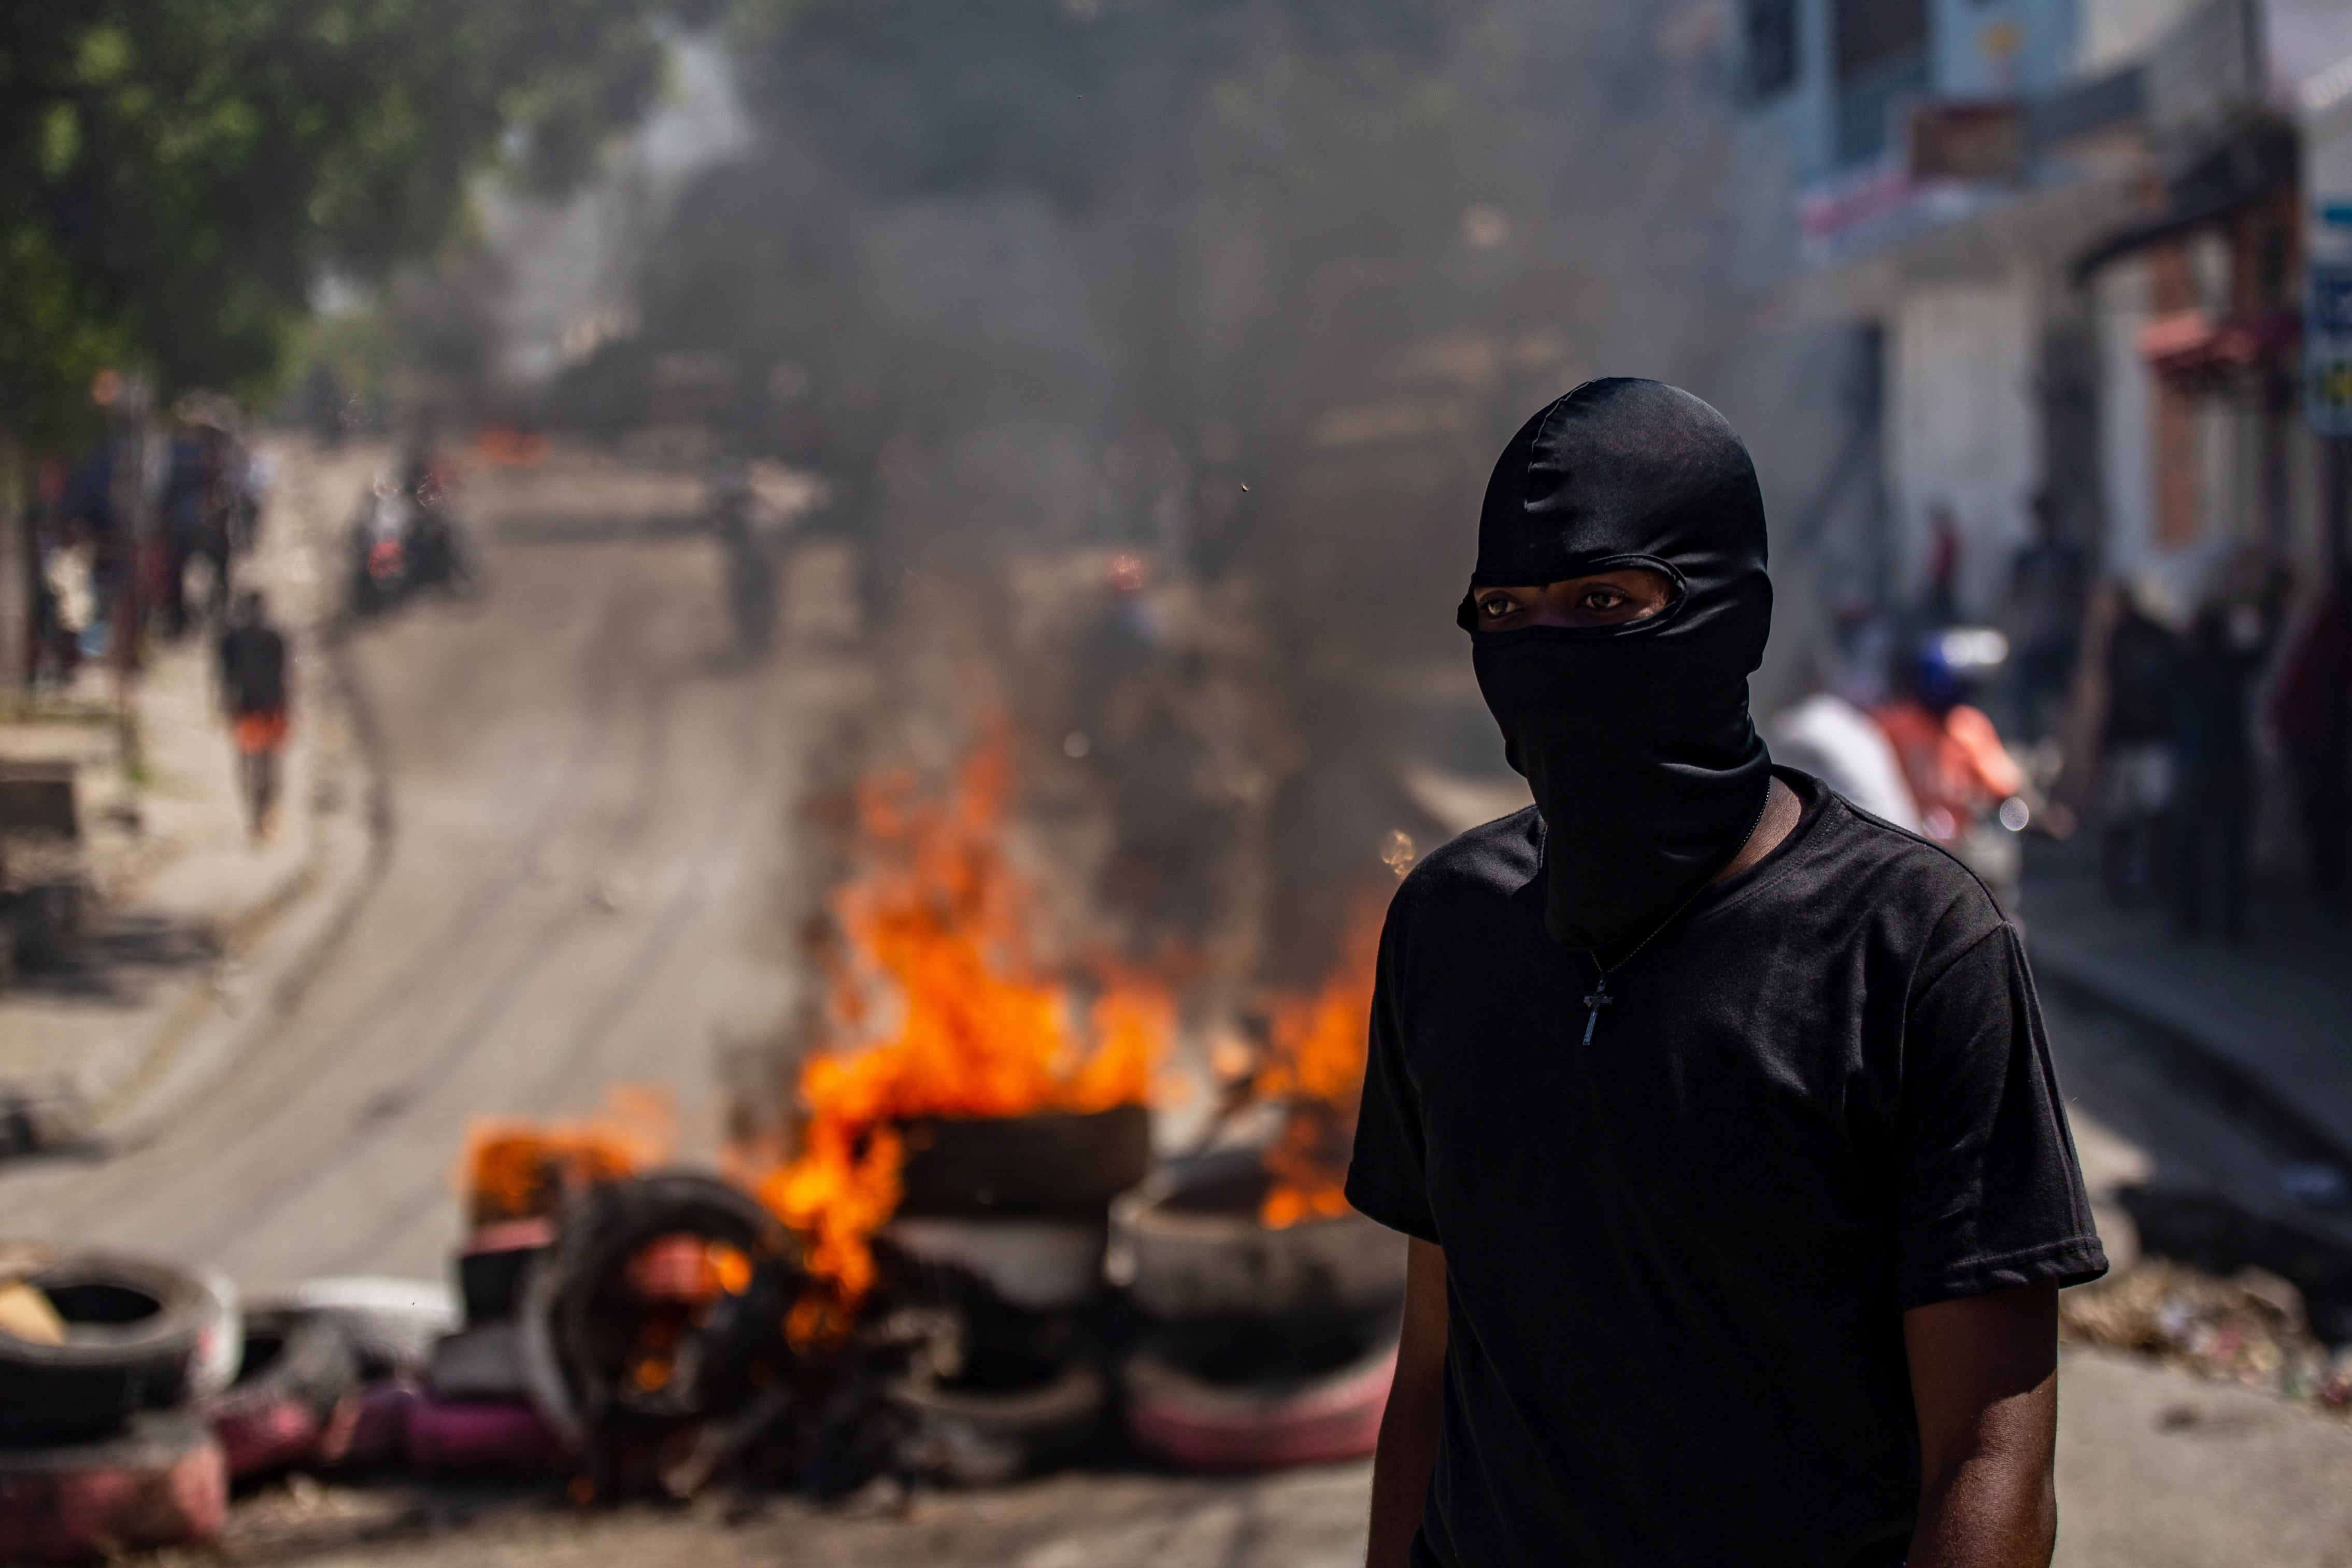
(2118, 32)
(1964, 431)
(2126, 416)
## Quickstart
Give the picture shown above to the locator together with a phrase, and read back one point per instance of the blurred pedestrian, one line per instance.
(92, 528)
(188, 487)
(2213, 786)
(1720, 1114)
(256, 689)
(2047, 585)
(1959, 772)
(1839, 744)
(2135, 753)
(2311, 711)
(1942, 607)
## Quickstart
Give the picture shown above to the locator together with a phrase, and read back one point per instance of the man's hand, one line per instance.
(1408, 1449)
(1984, 1377)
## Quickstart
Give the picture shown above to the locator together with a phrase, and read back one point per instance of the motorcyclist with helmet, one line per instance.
(1973, 797)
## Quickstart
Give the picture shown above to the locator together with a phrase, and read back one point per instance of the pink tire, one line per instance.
(161, 1482)
(369, 1428)
(268, 1434)
(298, 1369)
(1202, 1426)
(478, 1435)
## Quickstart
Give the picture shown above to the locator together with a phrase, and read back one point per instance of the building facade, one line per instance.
(2076, 232)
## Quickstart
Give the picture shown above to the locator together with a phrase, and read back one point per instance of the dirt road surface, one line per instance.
(591, 803)
(594, 846)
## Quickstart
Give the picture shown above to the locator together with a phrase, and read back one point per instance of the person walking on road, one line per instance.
(2311, 710)
(255, 690)
(2213, 767)
(1720, 1114)
(2048, 584)
(2135, 762)
(1958, 771)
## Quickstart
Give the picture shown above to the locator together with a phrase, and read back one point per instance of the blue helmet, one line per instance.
(1935, 680)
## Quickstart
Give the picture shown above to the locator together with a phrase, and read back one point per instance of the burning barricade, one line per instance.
(968, 1264)
(961, 1262)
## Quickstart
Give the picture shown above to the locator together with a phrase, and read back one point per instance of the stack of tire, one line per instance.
(1259, 1347)
(105, 1365)
(1003, 1226)
(474, 1411)
(651, 1333)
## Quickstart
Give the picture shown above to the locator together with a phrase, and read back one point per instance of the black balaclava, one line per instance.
(1635, 739)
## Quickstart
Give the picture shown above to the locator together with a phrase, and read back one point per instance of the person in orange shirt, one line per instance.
(254, 688)
(1972, 795)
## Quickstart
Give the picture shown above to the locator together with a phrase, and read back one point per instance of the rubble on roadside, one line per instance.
(2250, 1329)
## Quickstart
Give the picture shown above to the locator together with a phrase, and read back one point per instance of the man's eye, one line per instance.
(1496, 607)
(1603, 599)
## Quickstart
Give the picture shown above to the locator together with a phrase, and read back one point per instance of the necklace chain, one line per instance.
(1675, 913)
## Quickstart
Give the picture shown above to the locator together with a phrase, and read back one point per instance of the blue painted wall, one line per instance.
(1976, 49)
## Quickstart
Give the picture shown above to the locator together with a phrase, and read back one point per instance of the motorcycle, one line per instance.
(403, 541)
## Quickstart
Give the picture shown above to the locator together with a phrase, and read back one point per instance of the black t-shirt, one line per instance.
(253, 669)
(1678, 1259)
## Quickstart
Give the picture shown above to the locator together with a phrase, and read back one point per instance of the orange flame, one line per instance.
(939, 1009)
(515, 1169)
(1315, 1060)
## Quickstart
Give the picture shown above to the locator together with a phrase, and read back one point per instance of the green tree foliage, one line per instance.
(175, 175)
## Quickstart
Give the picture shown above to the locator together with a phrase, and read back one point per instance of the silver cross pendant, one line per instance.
(1593, 1005)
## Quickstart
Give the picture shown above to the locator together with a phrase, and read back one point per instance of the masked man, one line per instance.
(1719, 1115)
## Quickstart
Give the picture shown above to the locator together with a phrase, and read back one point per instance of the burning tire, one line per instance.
(1188, 1244)
(1205, 1411)
(138, 1336)
(392, 1324)
(298, 1370)
(1050, 1164)
(610, 1331)
(983, 1436)
(161, 1482)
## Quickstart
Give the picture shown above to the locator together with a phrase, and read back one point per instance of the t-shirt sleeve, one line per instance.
(1387, 1177)
(1990, 1193)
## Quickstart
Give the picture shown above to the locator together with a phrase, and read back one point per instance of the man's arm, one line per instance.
(1407, 1448)
(1984, 1377)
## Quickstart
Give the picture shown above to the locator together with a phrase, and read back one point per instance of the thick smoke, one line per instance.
(1251, 289)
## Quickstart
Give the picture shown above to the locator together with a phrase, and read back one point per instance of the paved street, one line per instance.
(590, 806)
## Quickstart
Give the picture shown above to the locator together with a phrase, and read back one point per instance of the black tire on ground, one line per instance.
(140, 1336)
(160, 1482)
(575, 1344)
(1048, 1164)
(298, 1367)
(987, 1437)
(1187, 1245)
